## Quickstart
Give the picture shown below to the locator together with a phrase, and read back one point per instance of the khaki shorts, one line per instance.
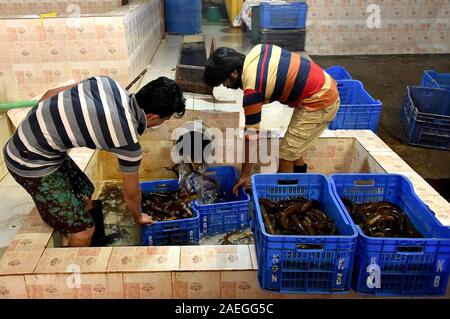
(304, 128)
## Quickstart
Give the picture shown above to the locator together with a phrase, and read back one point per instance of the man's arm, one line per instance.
(129, 158)
(133, 198)
(253, 102)
(248, 164)
(246, 169)
(56, 91)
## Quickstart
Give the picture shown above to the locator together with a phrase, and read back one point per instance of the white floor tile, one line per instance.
(189, 103)
(15, 206)
(227, 107)
(201, 105)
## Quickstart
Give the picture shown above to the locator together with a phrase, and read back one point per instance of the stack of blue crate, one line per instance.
(425, 112)
(280, 24)
(358, 109)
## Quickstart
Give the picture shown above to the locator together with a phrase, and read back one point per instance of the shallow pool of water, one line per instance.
(120, 224)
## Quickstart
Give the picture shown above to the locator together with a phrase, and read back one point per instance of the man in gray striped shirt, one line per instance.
(95, 113)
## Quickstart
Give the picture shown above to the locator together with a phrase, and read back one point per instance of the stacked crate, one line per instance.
(392, 266)
(280, 24)
(426, 111)
(358, 109)
(229, 214)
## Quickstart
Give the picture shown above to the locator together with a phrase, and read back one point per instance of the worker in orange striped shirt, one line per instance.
(269, 73)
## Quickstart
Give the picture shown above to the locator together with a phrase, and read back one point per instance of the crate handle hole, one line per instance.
(170, 229)
(365, 182)
(163, 187)
(410, 249)
(288, 182)
(225, 210)
(310, 246)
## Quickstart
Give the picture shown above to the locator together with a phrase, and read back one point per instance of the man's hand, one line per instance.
(242, 182)
(144, 219)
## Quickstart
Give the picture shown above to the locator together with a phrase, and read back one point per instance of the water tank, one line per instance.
(183, 16)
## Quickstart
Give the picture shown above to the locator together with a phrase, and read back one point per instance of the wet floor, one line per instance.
(386, 79)
(118, 221)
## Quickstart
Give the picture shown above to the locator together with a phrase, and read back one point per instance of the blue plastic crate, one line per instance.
(174, 232)
(338, 73)
(433, 79)
(283, 16)
(425, 115)
(229, 215)
(407, 266)
(303, 264)
(358, 110)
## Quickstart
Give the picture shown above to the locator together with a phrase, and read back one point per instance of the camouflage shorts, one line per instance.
(61, 197)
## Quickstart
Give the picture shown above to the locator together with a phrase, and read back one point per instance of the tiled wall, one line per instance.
(37, 55)
(338, 27)
(157, 145)
(143, 272)
(19, 7)
(143, 32)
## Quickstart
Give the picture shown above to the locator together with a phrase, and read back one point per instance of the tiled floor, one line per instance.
(15, 205)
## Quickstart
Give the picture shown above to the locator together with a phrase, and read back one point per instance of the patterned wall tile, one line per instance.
(140, 259)
(35, 224)
(396, 17)
(20, 7)
(440, 207)
(148, 285)
(13, 287)
(49, 287)
(100, 286)
(62, 260)
(23, 253)
(32, 44)
(338, 151)
(421, 187)
(196, 285)
(391, 162)
(241, 285)
(215, 257)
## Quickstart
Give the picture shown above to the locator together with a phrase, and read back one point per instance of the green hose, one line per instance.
(16, 105)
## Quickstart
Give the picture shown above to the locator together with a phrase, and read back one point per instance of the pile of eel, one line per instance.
(194, 184)
(296, 216)
(167, 206)
(381, 219)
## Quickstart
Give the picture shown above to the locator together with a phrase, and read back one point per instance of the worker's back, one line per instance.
(271, 73)
(97, 113)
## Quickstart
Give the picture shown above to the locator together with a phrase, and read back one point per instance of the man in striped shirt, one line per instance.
(267, 74)
(96, 113)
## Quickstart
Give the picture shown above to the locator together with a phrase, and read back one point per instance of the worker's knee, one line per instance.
(88, 233)
(82, 238)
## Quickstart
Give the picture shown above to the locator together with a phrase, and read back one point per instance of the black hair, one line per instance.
(162, 97)
(221, 64)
